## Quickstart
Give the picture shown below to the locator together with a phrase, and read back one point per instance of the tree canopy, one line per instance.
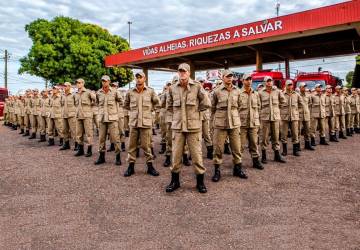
(65, 49)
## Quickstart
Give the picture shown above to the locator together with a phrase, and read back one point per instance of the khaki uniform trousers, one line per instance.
(163, 129)
(27, 121)
(206, 133)
(34, 123)
(330, 123)
(305, 127)
(141, 136)
(315, 122)
(273, 128)
(126, 123)
(112, 129)
(43, 124)
(193, 140)
(69, 128)
(294, 127)
(20, 121)
(55, 123)
(250, 136)
(340, 123)
(220, 136)
(121, 129)
(347, 120)
(84, 126)
(356, 120)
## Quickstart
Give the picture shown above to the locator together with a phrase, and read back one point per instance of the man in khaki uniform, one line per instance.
(108, 100)
(225, 104)
(357, 118)
(289, 113)
(68, 113)
(84, 118)
(339, 112)
(35, 107)
(44, 115)
(6, 112)
(347, 107)
(318, 114)
(186, 100)
(55, 121)
(27, 116)
(140, 101)
(304, 115)
(250, 120)
(21, 114)
(95, 112)
(270, 98)
(330, 113)
(16, 112)
(162, 116)
(126, 122)
(354, 105)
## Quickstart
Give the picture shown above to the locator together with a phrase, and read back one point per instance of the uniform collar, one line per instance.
(222, 86)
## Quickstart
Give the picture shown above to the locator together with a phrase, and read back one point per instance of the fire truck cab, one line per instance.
(3, 94)
(323, 77)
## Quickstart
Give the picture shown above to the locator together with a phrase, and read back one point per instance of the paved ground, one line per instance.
(52, 200)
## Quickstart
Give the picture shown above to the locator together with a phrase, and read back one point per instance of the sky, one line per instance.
(153, 21)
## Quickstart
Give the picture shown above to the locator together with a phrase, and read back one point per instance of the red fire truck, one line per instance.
(3, 94)
(277, 76)
(322, 77)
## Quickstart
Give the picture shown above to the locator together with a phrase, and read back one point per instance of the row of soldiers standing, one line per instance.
(226, 118)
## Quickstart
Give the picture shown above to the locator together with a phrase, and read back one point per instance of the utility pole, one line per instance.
(6, 71)
(277, 14)
(46, 84)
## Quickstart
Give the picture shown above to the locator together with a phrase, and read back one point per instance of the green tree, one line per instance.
(65, 49)
(349, 77)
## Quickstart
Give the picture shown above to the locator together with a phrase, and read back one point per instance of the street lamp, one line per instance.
(129, 23)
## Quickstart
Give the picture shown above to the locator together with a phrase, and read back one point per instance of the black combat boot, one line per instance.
(21, 131)
(284, 152)
(118, 159)
(76, 146)
(174, 184)
(151, 170)
(217, 173)
(61, 142)
(296, 149)
(153, 153)
(33, 136)
(348, 132)
(313, 142)
(323, 141)
(14, 127)
(127, 133)
(130, 170)
(331, 138)
(351, 131)
(123, 147)
(185, 160)
(308, 146)
(27, 133)
(111, 148)
(257, 164)
(65, 146)
(153, 132)
(80, 150)
(51, 142)
(158, 126)
(278, 157)
(357, 130)
(89, 151)
(200, 185)
(101, 158)
(210, 151)
(167, 161)
(299, 146)
(42, 138)
(263, 156)
(163, 148)
(237, 171)
(227, 150)
(137, 152)
(342, 135)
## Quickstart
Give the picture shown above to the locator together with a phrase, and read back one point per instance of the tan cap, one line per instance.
(115, 84)
(345, 88)
(67, 84)
(140, 73)
(302, 84)
(35, 90)
(105, 78)
(184, 66)
(55, 87)
(80, 80)
(227, 72)
(175, 78)
(328, 86)
(246, 76)
(267, 78)
(318, 85)
(338, 87)
(289, 82)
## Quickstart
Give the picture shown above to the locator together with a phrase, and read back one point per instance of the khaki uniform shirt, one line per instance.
(186, 105)
(339, 104)
(108, 105)
(304, 110)
(83, 102)
(140, 106)
(289, 110)
(55, 104)
(330, 105)
(68, 105)
(318, 106)
(249, 108)
(270, 101)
